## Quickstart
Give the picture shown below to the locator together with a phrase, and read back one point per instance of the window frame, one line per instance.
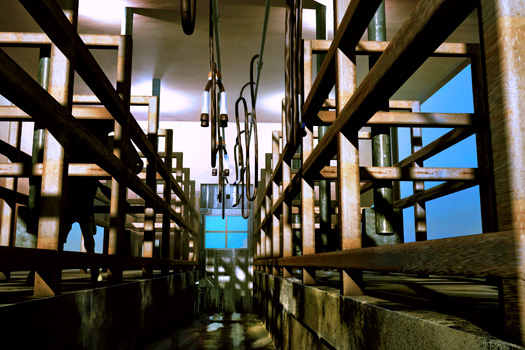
(226, 231)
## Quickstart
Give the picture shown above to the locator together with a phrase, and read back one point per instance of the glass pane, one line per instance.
(237, 223)
(237, 240)
(215, 223)
(215, 240)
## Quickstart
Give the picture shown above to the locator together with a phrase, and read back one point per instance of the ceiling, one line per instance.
(162, 50)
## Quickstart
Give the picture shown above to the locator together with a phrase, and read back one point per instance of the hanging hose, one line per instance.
(247, 136)
(214, 100)
(238, 155)
(187, 15)
(244, 175)
(250, 128)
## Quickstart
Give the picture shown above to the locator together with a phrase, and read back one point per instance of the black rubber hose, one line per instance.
(187, 15)
(213, 100)
(252, 196)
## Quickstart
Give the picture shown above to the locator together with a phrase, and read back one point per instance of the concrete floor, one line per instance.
(219, 331)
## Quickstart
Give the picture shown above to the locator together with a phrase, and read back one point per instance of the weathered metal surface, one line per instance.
(268, 203)
(23, 259)
(407, 174)
(8, 212)
(349, 199)
(276, 225)
(46, 111)
(491, 254)
(21, 39)
(307, 189)
(503, 27)
(420, 216)
(307, 210)
(438, 191)
(50, 18)
(51, 223)
(372, 238)
(93, 100)
(420, 35)
(286, 212)
(356, 16)
(405, 119)
(439, 145)
(166, 252)
(367, 47)
(148, 244)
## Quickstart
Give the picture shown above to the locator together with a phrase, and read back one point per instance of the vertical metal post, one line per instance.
(37, 155)
(307, 188)
(178, 233)
(264, 253)
(420, 216)
(324, 241)
(381, 147)
(286, 177)
(54, 171)
(188, 240)
(148, 245)
(117, 213)
(347, 162)
(8, 215)
(484, 152)
(269, 235)
(276, 226)
(503, 50)
(196, 245)
(296, 218)
(166, 217)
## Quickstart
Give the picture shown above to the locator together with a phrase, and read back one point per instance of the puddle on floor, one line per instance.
(219, 331)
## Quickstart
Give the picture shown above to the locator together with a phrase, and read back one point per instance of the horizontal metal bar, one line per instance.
(93, 100)
(410, 119)
(74, 169)
(21, 39)
(440, 144)
(482, 255)
(9, 195)
(407, 174)
(13, 113)
(435, 192)
(20, 259)
(13, 153)
(368, 47)
(394, 104)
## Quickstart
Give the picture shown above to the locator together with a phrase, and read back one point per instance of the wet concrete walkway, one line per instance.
(219, 331)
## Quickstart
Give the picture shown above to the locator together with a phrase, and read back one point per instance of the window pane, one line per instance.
(215, 223)
(237, 240)
(237, 223)
(215, 240)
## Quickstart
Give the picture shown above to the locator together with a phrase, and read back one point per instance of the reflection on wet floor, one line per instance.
(219, 331)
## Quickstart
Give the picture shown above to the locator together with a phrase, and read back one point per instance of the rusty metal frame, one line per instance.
(492, 254)
(34, 101)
